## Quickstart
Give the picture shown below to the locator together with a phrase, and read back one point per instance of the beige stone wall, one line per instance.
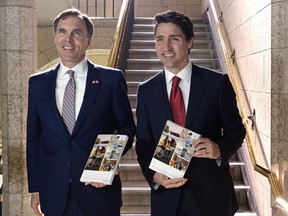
(257, 30)
(18, 50)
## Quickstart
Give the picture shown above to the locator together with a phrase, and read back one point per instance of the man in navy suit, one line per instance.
(211, 110)
(55, 156)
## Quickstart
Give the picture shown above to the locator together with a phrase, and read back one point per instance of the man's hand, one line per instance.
(101, 185)
(96, 184)
(168, 183)
(206, 148)
(35, 204)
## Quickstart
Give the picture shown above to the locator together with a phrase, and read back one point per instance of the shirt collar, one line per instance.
(184, 74)
(80, 69)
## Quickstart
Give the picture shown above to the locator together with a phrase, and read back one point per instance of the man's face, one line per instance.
(71, 39)
(172, 47)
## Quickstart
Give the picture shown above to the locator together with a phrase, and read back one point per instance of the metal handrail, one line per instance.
(233, 73)
(97, 9)
(118, 39)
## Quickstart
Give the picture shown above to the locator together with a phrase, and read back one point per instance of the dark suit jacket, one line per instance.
(213, 113)
(54, 158)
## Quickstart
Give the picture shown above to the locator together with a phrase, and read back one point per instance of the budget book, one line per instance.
(174, 150)
(104, 158)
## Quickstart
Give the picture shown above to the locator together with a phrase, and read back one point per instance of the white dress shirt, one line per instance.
(80, 77)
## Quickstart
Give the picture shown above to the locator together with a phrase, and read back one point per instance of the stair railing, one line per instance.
(121, 41)
(234, 74)
(96, 8)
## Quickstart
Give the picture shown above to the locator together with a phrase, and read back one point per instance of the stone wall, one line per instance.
(18, 53)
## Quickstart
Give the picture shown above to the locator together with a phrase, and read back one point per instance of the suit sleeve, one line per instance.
(33, 138)
(145, 145)
(231, 122)
(123, 112)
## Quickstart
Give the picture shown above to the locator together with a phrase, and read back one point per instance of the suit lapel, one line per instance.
(198, 85)
(160, 92)
(50, 87)
(93, 84)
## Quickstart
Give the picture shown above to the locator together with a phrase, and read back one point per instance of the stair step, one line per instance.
(135, 184)
(244, 211)
(133, 86)
(130, 155)
(132, 99)
(135, 210)
(130, 171)
(129, 165)
(135, 195)
(145, 211)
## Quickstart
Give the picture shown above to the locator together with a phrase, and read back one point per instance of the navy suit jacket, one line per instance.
(55, 160)
(213, 113)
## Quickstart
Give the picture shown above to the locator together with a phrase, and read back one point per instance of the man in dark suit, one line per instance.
(56, 151)
(211, 110)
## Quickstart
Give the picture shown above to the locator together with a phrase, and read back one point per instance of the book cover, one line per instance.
(174, 150)
(104, 158)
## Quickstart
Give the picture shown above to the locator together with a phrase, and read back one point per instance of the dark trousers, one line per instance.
(188, 205)
(72, 208)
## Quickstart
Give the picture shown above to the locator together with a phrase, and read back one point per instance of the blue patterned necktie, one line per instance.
(68, 107)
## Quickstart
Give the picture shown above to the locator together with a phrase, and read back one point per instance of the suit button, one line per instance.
(68, 164)
(71, 142)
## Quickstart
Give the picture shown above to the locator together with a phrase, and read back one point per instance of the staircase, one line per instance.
(141, 65)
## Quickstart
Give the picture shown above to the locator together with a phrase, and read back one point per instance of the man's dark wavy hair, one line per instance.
(179, 19)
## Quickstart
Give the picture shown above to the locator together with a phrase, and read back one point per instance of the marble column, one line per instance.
(279, 98)
(18, 55)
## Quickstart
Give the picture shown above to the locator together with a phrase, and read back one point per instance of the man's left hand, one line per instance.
(206, 148)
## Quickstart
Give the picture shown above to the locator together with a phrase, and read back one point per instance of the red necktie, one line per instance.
(177, 102)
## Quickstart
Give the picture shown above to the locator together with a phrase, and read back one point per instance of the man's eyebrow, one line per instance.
(171, 35)
(174, 35)
(77, 30)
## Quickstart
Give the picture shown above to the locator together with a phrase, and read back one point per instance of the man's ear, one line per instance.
(89, 42)
(190, 43)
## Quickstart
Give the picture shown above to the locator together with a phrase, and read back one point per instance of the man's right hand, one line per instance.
(35, 204)
(166, 182)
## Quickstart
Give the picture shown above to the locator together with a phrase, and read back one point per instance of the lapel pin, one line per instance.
(95, 82)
